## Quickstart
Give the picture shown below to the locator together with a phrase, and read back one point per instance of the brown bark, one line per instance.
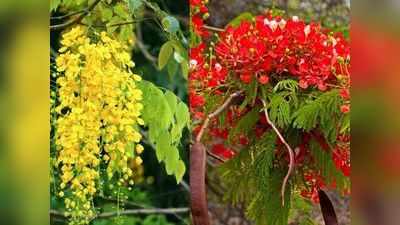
(198, 184)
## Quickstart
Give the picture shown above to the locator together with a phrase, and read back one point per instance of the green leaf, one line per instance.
(323, 110)
(178, 57)
(126, 31)
(306, 117)
(345, 128)
(163, 146)
(246, 16)
(170, 24)
(134, 5)
(121, 11)
(165, 118)
(106, 14)
(185, 69)
(172, 100)
(165, 53)
(279, 111)
(245, 124)
(156, 109)
(171, 159)
(172, 68)
(114, 20)
(182, 115)
(325, 164)
(288, 85)
(54, 4)
(180, 171)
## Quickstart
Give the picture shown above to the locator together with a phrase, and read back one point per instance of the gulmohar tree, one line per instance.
(269, 95)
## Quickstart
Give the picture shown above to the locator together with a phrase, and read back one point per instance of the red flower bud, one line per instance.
(345, 109)
(263, 79)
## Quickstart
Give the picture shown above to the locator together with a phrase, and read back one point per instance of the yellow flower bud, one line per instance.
(138, 161)
(139, 149)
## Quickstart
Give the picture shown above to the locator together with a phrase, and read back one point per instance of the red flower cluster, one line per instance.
(341, 154)
(221, 150)
(199, 12)
(265, 50)
(315, 182)
(272, 45)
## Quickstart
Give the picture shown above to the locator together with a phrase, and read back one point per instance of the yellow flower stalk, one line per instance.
(98, 117)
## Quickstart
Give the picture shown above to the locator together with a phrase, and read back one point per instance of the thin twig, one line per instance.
(290, 151)
(142, 47)
(68, 15)
(122, 23)
(216, 113)
(219, 158)
(217, 29)
(77, 19)
(131, 212)
(145, 211)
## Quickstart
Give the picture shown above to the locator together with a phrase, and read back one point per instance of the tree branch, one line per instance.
(216, 113)
(68, 15)
(131, 212)
(77, 19)
(217, 29)
(219, 158)
(290, 151)
(142, 47)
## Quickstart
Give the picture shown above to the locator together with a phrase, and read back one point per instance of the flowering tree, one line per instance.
(270, 99)
(103, 114)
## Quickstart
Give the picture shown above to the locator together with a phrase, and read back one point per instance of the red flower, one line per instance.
(246, 78)
(345, 94)
(263, 79)
(345, 109)
(221, 150)
(196, 100)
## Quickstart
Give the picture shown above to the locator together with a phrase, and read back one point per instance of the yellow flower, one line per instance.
(138, 161)
(98, 117)
(139, 149)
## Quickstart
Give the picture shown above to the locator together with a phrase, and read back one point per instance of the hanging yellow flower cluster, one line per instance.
(98, 117)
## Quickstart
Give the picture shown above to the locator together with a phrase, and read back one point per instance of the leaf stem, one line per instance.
(216, 113)
(77, 19)
(290, 151)
(217, 29)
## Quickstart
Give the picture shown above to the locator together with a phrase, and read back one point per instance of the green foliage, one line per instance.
(283, 101)
(134, 5)
(323, 111)
(266, 208)
(259, 184)
(165, 53)
(324, 163)
(165, 117)
(301, 211)
(173, 48)
(54, 4)
(246, 124)
(170, 24)
(125, 220)
(287, 85)
(244, 16)
(279, 111)
(345, 128)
